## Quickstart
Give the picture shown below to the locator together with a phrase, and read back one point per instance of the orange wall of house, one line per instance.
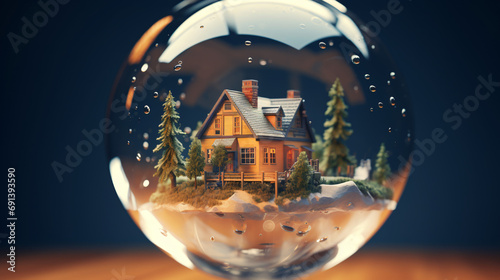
(227, 123)
(280, 164)
(272, 120)
(248, 143)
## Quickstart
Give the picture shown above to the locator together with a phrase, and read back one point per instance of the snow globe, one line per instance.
(259, 139)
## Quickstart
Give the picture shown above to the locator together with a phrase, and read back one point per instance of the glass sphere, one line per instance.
(277, 108)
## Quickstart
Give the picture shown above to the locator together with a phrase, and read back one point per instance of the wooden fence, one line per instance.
(272, 177)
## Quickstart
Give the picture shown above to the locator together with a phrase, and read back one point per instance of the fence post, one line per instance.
(242, 180)
(222, 178)
(276, 185)
(262, 179)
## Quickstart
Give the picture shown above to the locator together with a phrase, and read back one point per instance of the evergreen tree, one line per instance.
(219, 157)
(300, 181)
(336, 154)
(172, 161)
(318, 148)
(196, 163)
(382, 168)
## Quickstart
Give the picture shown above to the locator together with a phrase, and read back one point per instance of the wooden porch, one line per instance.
(271, 177)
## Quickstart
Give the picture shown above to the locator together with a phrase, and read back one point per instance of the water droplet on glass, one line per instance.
(147, 110)
(145, 135)
(130, 131)
(239, 231)
(336, 228)
(155, 94)
(212, 238)
(156, 45)
(371, 109)
(403, 112)
(180, 81)
(220, 214)
(381, 105)
(322, 239)
(144, 67)
(178, 67)
(303, 230)
(322, 45)
(373, 88)
(250, 60)
(355, 59)
(248, 43)
(302, 26)
(393, 75)
(163, 232)
(287, 228)
(145, 183)
(145, 145)
(134, 79)
(393, 101)
(390, 130)
(201, 26)
(138, 157)
(367, 76)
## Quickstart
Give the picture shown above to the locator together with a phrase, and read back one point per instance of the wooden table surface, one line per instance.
(154, 265)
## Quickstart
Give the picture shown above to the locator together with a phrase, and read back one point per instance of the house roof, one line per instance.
(255, 117)
(226, 142)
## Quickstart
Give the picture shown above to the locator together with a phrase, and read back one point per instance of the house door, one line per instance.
(291, 158)
(230, 165)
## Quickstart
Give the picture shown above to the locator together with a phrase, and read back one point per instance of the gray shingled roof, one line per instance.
(271, 110)
(255, 116)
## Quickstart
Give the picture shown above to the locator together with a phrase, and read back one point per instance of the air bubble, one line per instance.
(373, 88)
(147, 110)
(322, 45)
(248, 43)
(163, 232)
(322, 239)
(155, 94)
(302, 26)
(250, 59)
(393, 75)
(138, 157)
(389, 129)
(371, 109)
(393, 101)
(128, 142)
(130, 131)
(144, 67)
(355, 59)
(336, 228)
(145, 183)
(303, 230)
(381, 105)
(178, 67)
(212, 238)
(403, 112)
(201, 26)
(287, 228)
(134, 79)
(367, 76)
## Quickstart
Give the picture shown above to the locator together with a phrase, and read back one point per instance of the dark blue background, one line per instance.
(59, 83)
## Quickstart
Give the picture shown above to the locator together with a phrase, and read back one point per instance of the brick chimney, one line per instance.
(293, 93)
(250, 89)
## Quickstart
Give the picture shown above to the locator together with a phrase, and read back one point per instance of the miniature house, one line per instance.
(260, 134)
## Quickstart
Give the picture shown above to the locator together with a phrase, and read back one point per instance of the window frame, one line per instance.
(209, 155)
(245, 155)
(269, 156)
(219, 130)
(237, 125)
(230, 106)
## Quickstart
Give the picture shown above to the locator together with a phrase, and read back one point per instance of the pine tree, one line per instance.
(172, 160)
(196, 163)
(300, 178)
(336, 154)
(382, 168)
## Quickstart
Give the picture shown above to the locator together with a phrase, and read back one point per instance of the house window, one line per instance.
(298, 121)
(269, 155)
(227, 106)
(247, 155)
(237, 125)
(217, 126)
(209, 155)
(278, 122)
